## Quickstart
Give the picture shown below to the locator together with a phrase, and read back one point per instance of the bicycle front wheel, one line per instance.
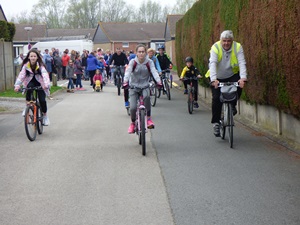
(190, 101)
(143, 131)
(153, 95)
(167, 89)
(230, 125)
(39, 120)
(171, 80)
(30, 123)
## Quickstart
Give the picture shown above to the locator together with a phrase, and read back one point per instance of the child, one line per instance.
(70, 75)
(98, 76)
(191, 71)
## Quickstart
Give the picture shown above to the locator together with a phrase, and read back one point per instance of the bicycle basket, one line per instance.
(228, 93)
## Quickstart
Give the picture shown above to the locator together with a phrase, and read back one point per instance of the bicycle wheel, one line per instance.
(168, 89)
(171, 80)
(222, 121)
(128, 111)
(39, 120)
(153, 95)
(143, 131)
(159, 92)
(119, 86)
(190, 101)
(230, 125)
(30, 125)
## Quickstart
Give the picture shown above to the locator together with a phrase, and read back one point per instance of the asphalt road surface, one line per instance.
(86, 169)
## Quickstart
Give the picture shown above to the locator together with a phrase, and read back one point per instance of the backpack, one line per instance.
(147, 64)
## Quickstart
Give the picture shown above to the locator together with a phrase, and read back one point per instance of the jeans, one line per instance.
(70, 84)
(78, 81)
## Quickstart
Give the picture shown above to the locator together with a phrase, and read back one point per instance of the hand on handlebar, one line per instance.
(242, 82)
(159, 85)
(125, 85)
(215, 83)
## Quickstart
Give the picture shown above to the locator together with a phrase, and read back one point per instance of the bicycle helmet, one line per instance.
(189, 59)
(161, 47)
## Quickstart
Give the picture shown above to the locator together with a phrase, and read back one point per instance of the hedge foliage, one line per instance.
(269, 33)
(7, 31)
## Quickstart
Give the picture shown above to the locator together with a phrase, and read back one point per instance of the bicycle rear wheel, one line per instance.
(153, 95)
(171, 80)
(143, 131)
(222, 121)
(30, 125)
(230, 125)
(167, 89)
(190, 101)
(39, 120)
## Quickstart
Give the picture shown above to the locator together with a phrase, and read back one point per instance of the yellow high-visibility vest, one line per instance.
(217, 48)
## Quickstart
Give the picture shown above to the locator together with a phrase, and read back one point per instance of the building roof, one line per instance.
(2, 15)
(37, 31)
(132, 32)
(71, 33)
(171, 23)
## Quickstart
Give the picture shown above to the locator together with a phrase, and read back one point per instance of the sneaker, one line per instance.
(131, 128)
(196, 105)
(234, 110)
(81, 89)
(68, 90)
(23, 113)
(46, 121)
(185, 92)
(126, 104)
(217, 130)
(150, 123)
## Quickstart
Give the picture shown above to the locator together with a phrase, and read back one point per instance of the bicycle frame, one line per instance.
(191, 93)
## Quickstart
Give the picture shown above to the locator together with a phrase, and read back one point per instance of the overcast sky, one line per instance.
(13, 7)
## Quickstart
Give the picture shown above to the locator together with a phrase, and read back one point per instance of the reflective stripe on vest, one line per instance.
(217, 48)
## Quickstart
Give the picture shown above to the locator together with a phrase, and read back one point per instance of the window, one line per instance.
(125, 45)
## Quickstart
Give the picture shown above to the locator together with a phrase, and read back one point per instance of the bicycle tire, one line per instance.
(159, 93)
(40, 125)
(153, 95)
(168, 90)
(30, 125)
(190, 101)
(143, 131)
(119, 86)
(222, 122)
(171, 80)
(230, 125)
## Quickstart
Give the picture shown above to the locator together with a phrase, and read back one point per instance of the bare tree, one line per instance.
(117, 11)
(51, 12)
(182, 6)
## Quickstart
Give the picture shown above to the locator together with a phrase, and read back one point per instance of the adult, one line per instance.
(84, 57)
(226, 64)
(119, 58)
(92, 64)
(151, 55)
(65, 61)
(48, 60)
(58, 65)
(34, 74)
(78, 70)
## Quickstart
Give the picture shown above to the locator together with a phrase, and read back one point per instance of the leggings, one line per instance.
(41, 94)
(134, 95)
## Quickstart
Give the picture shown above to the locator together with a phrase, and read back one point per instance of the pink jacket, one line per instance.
(97, 77)
(42, 78)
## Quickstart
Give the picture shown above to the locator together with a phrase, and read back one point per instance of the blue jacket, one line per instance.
(92, 62)
(100, 66)
(156, 63)
(48, 62)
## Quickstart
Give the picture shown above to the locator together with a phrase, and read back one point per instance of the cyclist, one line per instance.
(34, 74)
(226, 64)
(151, 55)
(191, 71)
(119, 59)
(138, 74)
(163, 58)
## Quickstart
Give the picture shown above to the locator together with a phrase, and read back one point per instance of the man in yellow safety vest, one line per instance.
(226, 64)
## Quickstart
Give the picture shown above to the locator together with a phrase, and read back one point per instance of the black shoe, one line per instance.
(217, 130)
(234, 111)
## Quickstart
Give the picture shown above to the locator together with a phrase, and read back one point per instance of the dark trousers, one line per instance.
(64, 72)
(78, 80)
(92, 74)
(195, 85)
(41, 94)
(126, 94)
(216, 103)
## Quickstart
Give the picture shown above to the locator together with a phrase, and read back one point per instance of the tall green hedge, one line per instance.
(7, 31)
(269, 34)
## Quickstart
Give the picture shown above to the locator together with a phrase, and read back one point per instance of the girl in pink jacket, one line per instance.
(34, 74)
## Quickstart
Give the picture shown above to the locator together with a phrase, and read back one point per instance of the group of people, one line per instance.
(226, 64)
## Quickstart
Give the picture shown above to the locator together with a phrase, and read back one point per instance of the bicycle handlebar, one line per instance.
(222, 84)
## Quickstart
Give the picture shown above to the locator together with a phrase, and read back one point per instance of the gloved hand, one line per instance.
(159, 85)
(125, 85)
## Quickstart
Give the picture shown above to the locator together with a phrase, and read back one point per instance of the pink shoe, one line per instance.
(81, 89)
(131, 128)
(150, 123)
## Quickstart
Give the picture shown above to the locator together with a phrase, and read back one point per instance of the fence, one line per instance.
(7, 70)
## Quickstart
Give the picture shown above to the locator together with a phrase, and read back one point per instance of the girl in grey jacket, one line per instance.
(70, 76)
(138, 74)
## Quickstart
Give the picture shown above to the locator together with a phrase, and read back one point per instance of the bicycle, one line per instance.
(191, 93)
(228, 95)
(141, 120)
(119, 78)
(165, 85)
(33, 119)
(169, 77)
(153, 93)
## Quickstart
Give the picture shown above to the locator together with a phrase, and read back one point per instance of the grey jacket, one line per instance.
(140, 76)
(70, 71)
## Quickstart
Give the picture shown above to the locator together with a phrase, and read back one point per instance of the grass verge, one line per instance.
(10, 93)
